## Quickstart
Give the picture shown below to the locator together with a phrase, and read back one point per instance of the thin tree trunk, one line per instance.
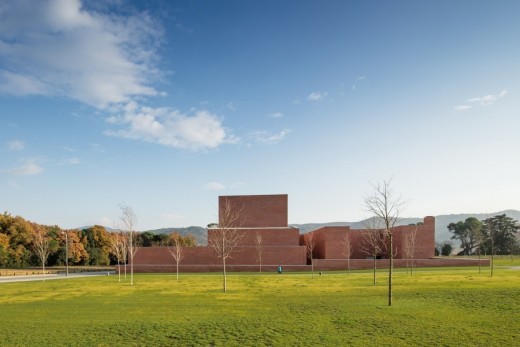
(492, 254)
(411, 268)
(479, 262)
(391, 266)
(43, 268)
(119, 270)
(132, 270)
(375, 267)
(224, 273)
(312, 268)
(177, 271)
(348, 266)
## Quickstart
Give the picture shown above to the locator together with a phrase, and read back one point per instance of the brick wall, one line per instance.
(205, 256)
(258, 210)
(330, 241)
(270, 236)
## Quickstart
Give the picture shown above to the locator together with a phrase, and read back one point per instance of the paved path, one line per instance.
(61, 276)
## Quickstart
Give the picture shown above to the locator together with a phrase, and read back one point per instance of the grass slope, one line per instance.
(456, 307)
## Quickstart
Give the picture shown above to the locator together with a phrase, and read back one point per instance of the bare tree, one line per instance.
(347, 249)
(310, 244)
(385, 206)
(259, 250)
(409, 248)
(41, 244)
(226, 237)
(373, 243)
(118, 249)
(176, 250)
(129, 220)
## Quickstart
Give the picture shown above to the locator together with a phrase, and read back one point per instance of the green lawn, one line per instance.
(454, 307)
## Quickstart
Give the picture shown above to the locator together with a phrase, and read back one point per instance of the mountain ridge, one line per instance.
(441, 225)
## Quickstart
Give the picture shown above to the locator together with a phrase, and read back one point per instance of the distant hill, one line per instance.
(200, 233)
(441, 225)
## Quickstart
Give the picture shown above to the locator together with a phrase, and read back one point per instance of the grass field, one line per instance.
(435, 307)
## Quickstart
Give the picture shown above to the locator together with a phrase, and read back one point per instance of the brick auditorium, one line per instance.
(267, 216)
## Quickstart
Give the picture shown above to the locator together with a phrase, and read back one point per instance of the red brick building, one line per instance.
(267, 216)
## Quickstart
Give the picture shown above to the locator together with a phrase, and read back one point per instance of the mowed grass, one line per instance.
(435, 307)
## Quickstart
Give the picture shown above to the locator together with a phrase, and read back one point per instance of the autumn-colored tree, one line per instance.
(19, 232)
(97, 244)
(77, 253)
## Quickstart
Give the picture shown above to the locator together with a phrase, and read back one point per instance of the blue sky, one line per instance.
(165, 105)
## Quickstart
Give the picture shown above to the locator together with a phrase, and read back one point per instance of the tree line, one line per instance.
(497, 235)
(23, 243)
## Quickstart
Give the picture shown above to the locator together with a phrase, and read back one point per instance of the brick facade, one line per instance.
(266, 215)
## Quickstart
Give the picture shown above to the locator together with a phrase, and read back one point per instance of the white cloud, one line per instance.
(15, 145)
(267, 138)
(317, 96)
(214, 186)
(103, 59)
(59, 48)
(276, 115)
(488, 99)
(462, 108)
(200, 130)
(28, 167)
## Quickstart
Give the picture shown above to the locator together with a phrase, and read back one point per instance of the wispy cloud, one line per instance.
(196, 131)
(15, 145)
(28, 167)
(276, 115)
(214, 186)
(359, 78)
(101, 58)
(488, 99)
(462, 108)
(317, 96)
(267, 138)
(59, 48)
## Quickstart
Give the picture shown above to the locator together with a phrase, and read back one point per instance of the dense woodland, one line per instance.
(89, 246)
